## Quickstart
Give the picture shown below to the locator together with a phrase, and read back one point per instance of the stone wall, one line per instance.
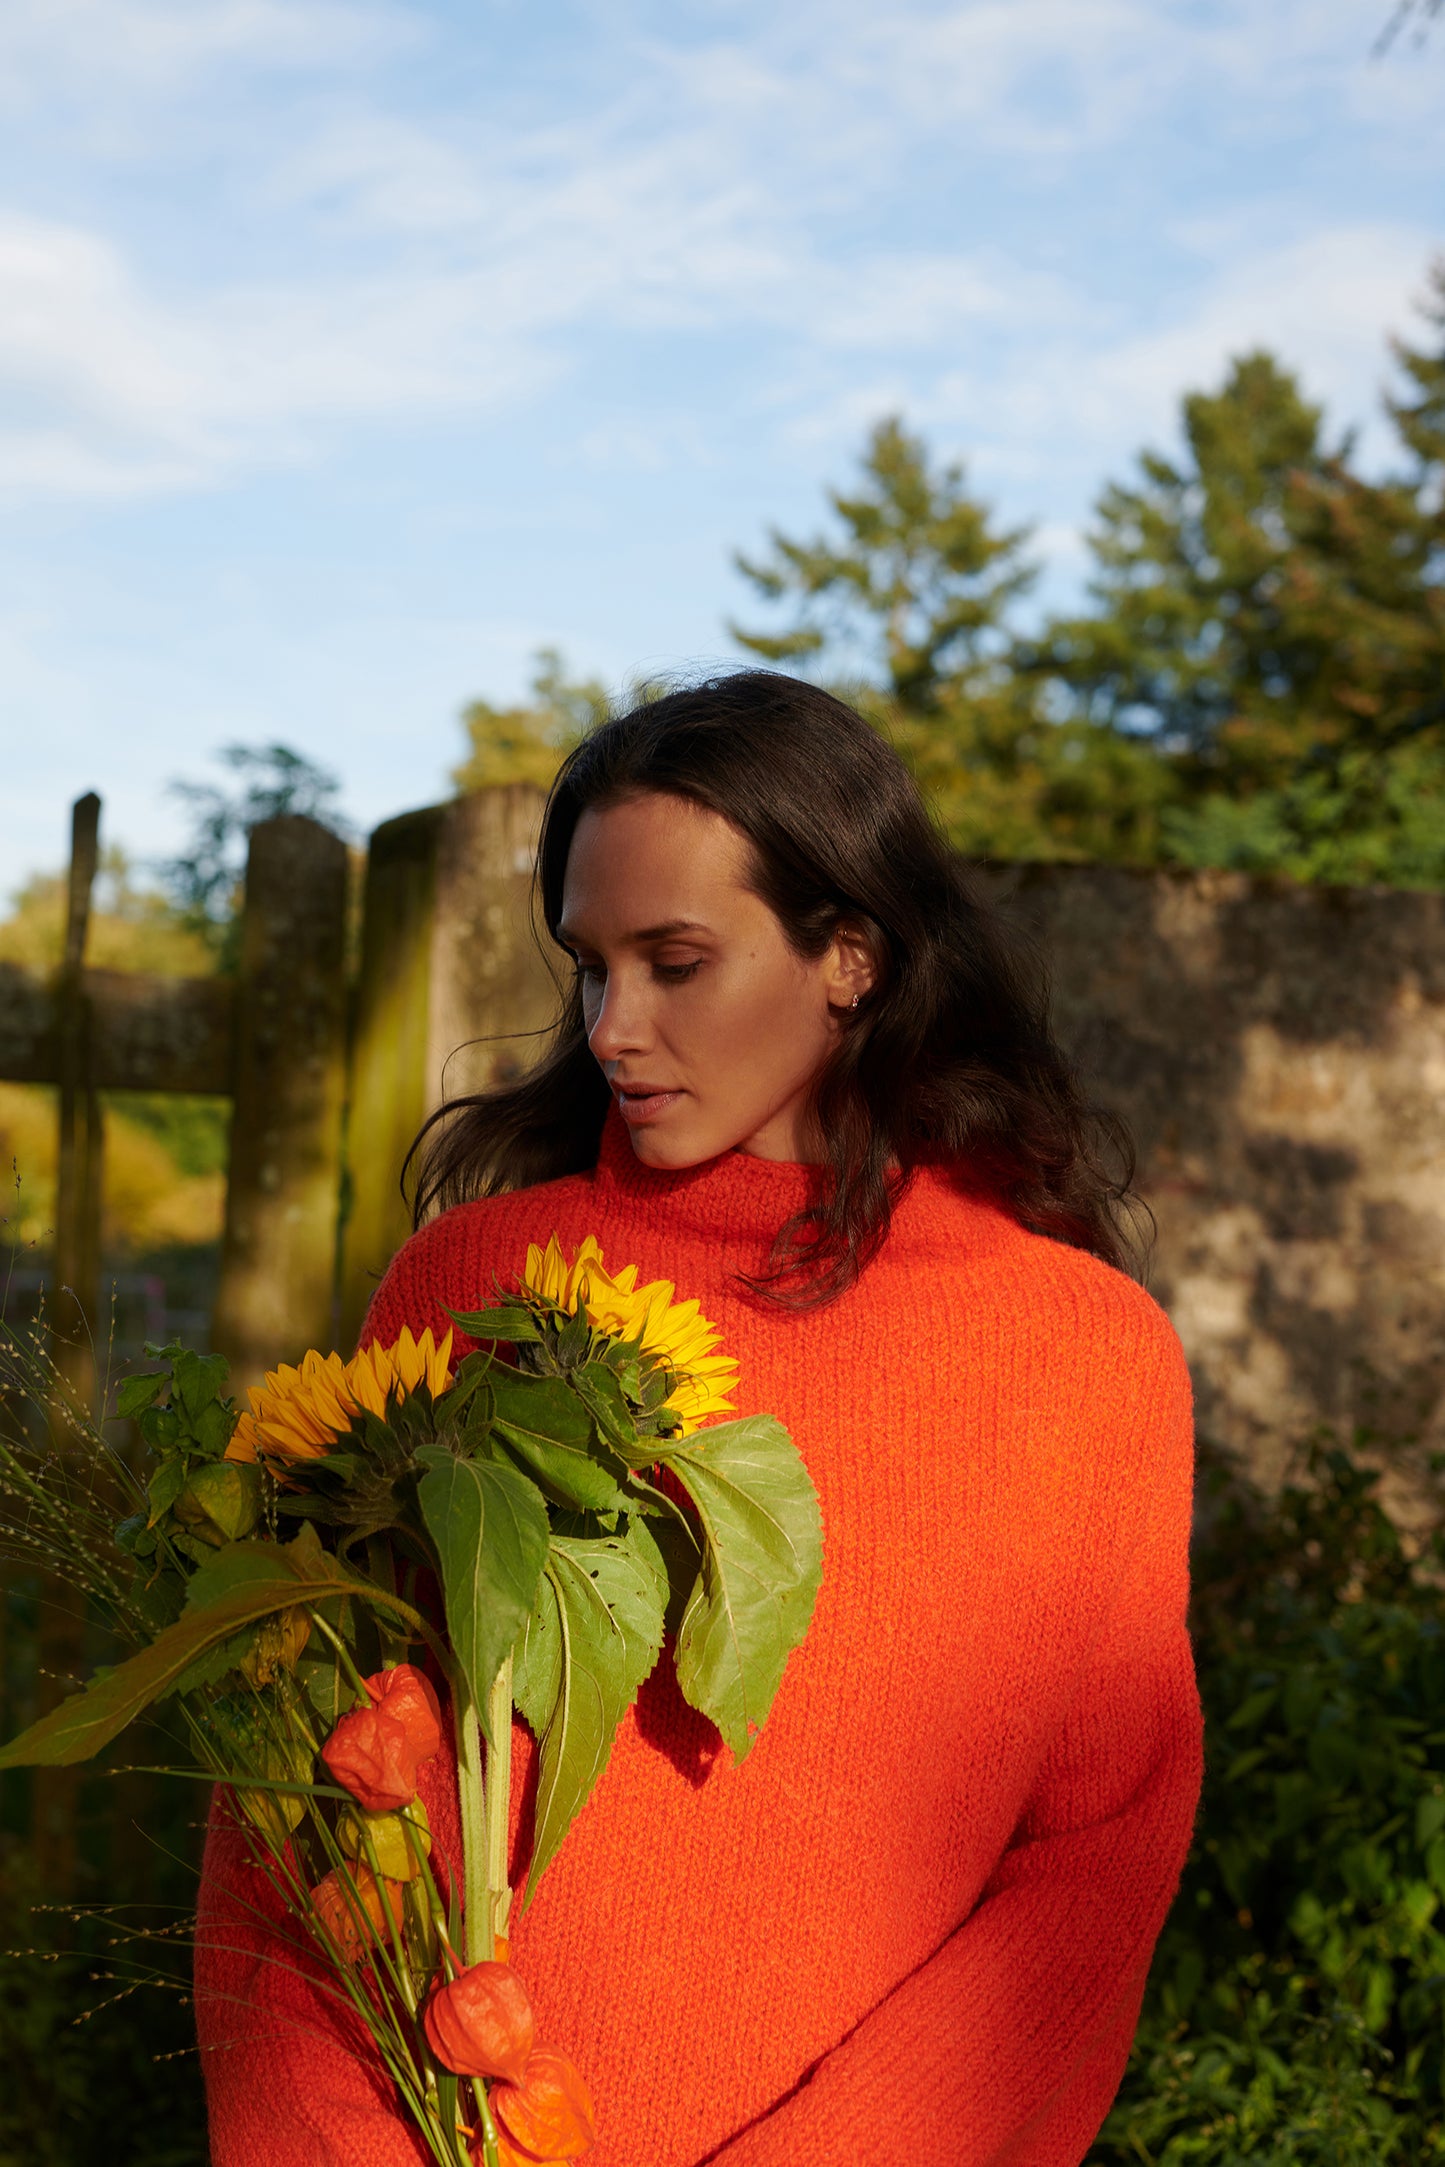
(1279, 1053)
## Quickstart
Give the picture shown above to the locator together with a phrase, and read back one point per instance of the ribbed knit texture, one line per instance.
(912, 1928)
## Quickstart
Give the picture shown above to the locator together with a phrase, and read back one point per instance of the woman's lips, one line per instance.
(644, 1104)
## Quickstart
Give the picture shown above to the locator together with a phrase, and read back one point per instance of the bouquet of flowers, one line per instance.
(520, 1530)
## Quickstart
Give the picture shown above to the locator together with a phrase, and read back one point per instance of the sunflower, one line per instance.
(298, 1414)
(674, 1333)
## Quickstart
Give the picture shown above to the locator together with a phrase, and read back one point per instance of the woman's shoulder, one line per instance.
(456, 1259)
(1109, 1303)
(1078, 1311)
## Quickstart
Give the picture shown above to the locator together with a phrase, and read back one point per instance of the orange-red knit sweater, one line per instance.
(912, 1928)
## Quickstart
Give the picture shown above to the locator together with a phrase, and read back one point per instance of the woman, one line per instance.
(799, 1074)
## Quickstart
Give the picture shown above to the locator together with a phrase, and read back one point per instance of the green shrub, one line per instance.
(94, 2066)
(1296, 2008)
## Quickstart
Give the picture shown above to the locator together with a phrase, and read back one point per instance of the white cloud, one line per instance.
(902, 301)
(373, 262)
(124, 391)
(1077, 399)
(1323, 304)
(162, 47)
(1042, 80)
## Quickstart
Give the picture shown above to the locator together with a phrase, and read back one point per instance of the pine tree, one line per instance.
(1189, 641)
(906, 611)
(1259, 679)
(912, 595)
(1421, 419)
(1273, 622)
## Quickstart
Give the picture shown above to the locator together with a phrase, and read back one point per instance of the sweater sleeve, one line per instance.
(1006, 2047)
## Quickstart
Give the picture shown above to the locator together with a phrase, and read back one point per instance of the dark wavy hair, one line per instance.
(950, 1058)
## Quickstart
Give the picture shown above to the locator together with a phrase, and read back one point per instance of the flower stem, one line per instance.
(499, 1797)
(489, 2129)
(472, 1797)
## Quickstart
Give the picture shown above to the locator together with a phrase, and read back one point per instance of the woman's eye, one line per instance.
(594, 974)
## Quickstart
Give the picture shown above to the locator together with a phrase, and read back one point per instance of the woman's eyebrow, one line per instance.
(644, 933)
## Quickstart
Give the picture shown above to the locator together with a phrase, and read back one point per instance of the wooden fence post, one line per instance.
(452, 994)
(78, 1171)
(60, 1622)
(278, 1250)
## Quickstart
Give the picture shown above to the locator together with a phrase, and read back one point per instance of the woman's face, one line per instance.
(708, 1026)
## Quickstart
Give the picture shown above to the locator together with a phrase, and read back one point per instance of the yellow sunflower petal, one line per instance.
(299, 1413)
(669, 1331)
(379, 1371)
(243, 1441)
(437, 1362)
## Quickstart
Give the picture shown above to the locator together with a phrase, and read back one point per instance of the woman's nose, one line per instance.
(619, 1026)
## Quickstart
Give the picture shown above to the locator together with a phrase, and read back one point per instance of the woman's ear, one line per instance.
(854, 969)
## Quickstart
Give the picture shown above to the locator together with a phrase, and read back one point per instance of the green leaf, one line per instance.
(213, 1426)
(565, 1474)
(489, 1525)
(196, 1381)
(161, 1428)
(600, 1390)
(1435, 1863)
(1251, 1710)
(762, 1562)
(594, 1633)
(543, 1423)
(573, 1339)
(1429, 1817)
(514, 1325)
(319, 1671)
(138, 1393)
(466, 1400)
(164, 1487)
(674, 1540)
(235, 1588)
(544, 1407)
(132, 1536)
(213, 1663)
(160, 1596)
(222, 1500)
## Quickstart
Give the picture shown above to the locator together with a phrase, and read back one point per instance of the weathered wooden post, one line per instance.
(60, 1622)
(72, 1320)
(452, 994)
(278, 1250)
(80, 1143)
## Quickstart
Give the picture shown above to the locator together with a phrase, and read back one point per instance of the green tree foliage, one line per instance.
(527, 744)
(97, 2034)
(1256, 679)
(1273, 624)
(165, 1155)
(914, 590)
(905, 609)
(133, 926)
(1296, 2008)
(204, 879)
(1190, 641)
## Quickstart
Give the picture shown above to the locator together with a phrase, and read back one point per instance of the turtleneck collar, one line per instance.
(733, 1197)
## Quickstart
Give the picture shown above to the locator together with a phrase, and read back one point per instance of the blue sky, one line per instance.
(351, 349)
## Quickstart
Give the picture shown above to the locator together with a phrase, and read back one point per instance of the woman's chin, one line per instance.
(671, 1148)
